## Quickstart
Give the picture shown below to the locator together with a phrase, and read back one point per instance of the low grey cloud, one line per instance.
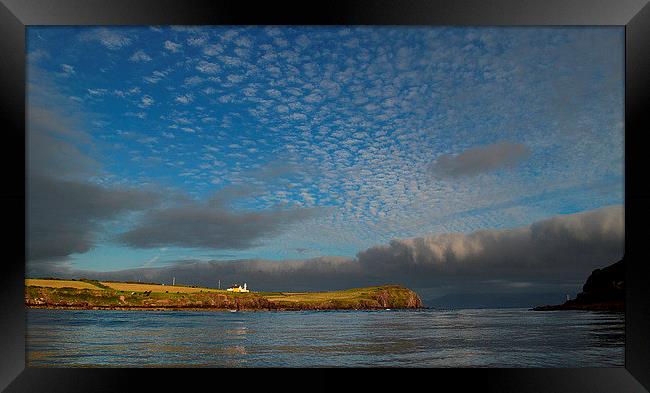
(556, 251)
(65, 208)
(217, 223)
(560, 245)
(52, 146)
(64, 216)
(295, 275)
(211, 226)
(480, 159)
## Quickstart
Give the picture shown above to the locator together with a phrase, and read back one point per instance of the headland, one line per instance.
(106, 295)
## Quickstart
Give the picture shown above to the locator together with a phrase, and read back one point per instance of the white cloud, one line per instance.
(172, 46)
(146, 101)
(185, 99)
(67, 69)
(140, 56)
(156, 76)
(193, 80)
(209, 90)
(281, 42)
(208, 68)
(303, 41)
(235, 78)
(229, 35)
(273, 31)
(244, 41)
(213, 49)
(197, 41)
(97, 92)
(109, 38)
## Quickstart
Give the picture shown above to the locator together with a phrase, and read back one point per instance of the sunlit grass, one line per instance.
(348, 294)
(59, 284)
(135, 287)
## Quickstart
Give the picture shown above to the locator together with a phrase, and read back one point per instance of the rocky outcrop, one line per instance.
(398, 297)
(603, 291)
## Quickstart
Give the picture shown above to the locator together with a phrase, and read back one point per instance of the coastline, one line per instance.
(212, 309)
(606, 306)
(106, 298)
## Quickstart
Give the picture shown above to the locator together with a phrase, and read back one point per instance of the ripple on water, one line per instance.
(418, 338)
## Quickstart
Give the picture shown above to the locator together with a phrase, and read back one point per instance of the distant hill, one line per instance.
(95, 295)
(492, 300)
(604, 290)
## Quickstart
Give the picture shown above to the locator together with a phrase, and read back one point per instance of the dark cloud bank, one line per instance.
(64, 208)
(64, 215)
(552, 254)
(480, 159)
(206, 226)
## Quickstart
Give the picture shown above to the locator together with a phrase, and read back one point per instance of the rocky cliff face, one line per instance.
(604, 290)
(398, 297)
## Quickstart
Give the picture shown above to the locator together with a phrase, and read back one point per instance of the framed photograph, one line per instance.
(454, 187)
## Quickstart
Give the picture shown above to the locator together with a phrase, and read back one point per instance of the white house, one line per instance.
(238, 288)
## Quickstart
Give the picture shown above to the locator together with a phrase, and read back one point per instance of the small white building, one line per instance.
(238, 288)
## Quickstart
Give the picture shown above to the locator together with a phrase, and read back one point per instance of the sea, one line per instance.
(385, 338)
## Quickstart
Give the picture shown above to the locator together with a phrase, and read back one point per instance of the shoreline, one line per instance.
(212, 309)
(105, 297)
(608, 306)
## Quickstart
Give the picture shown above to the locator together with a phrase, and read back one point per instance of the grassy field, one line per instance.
(60, 284)
(118, 286)
(123, 286)
(347, 294)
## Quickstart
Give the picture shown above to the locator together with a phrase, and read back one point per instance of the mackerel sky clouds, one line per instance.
(276, 143)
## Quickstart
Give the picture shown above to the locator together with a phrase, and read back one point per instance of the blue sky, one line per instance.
(330, 140)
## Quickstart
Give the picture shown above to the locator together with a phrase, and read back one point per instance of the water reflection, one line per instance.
(427, 338)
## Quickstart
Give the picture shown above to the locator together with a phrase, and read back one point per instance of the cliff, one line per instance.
(104, 296)
(603, 291)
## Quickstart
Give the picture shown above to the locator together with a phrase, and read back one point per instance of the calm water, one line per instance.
(427, 338)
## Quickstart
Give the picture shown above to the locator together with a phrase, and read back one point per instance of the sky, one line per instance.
(319, 157)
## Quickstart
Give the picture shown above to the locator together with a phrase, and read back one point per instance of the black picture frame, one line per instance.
(15, 15)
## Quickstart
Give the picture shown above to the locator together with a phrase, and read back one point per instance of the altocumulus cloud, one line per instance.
(480, 159)
(567, 246)
(111, 39)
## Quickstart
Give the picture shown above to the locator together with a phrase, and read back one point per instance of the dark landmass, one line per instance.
(492, 300)
(107, 298)
(603, 291)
